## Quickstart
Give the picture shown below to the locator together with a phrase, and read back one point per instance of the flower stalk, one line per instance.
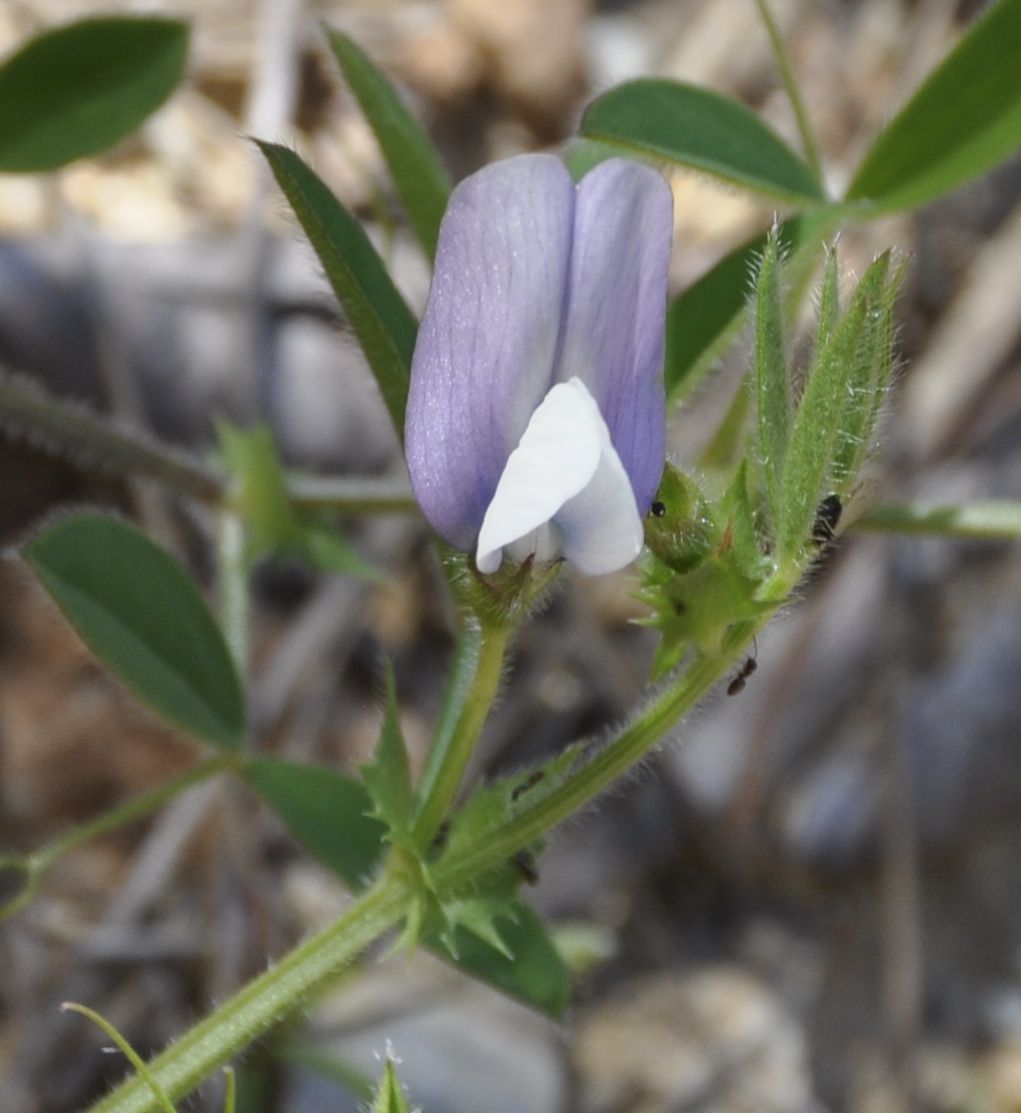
(478, 668)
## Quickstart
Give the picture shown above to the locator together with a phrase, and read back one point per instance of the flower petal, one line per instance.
(615, 325)
(487, 344)
(564, 489)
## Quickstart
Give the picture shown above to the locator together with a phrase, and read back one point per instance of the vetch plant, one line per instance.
(531, 401)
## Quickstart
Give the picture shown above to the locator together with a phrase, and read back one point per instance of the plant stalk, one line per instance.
(808, 141)
(36, 864)
(993, 520)
(264, 1001)
(478, 668)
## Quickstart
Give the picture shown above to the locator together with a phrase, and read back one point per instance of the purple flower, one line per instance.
(535, 420)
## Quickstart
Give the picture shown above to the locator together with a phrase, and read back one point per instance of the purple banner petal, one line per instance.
(488, 339)
(616, 308)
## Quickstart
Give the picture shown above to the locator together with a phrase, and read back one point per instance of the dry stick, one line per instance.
(269, 112)
(900, 893)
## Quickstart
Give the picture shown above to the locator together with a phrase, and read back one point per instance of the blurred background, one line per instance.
(809, 900)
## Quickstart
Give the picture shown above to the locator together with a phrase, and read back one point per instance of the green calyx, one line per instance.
(704, 571)
(505, 597)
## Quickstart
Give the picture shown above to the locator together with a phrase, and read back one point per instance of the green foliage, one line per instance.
(772, 384)
(326, 812)
(78, 89)
(965, 118)
(526, 965)
(138, 610)
(835, 416)
(703, 130)
(488, 931)
(380, 319)
(704, 570)
(582, 155)
(389, 1097)
(418, 174)
(272, 525)
(494, 805)
(230, 1090)
(388, 776)
(159, 1095)
(703, 318)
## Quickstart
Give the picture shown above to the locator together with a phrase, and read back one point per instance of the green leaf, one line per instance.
(729, 442)
(422, 182)
(736, 511)
(324, 548)
(582, 155)
(272, 524)
(389, 1097)
(815, 436)
(388, 775)
(76, 90)
(138, 610)
(704, 317)
(379, 317)
(829, 299)
(869, 382)
(698, 128)
(772, 385)
(326, 812)
(536, 975)
(493, 805)
(260, 491)
(964, 119)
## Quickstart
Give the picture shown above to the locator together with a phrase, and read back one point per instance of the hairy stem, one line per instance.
(994, 520)
(264, 1001)
(273, 996)
(790, 84)
(344, 495)
(97, 442)
(608, 763)
(34, 865)
(27, 408)
(478, 667)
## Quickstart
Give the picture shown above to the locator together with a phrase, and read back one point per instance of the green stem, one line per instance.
(791, 86)
(67, 426)
(232, 574)
(629, 747)
(991, 520)
(36, 864)
(133, 809)
(129, 1053)
(271, 997)
(264, 1001)
(101, 444)
(342, 495)
(478, 667)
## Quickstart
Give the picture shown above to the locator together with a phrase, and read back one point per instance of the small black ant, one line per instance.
(529, 782)
(827, 518)
(738, 682)
(525, 862)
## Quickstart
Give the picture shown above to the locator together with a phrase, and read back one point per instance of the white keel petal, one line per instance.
(564, 489)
